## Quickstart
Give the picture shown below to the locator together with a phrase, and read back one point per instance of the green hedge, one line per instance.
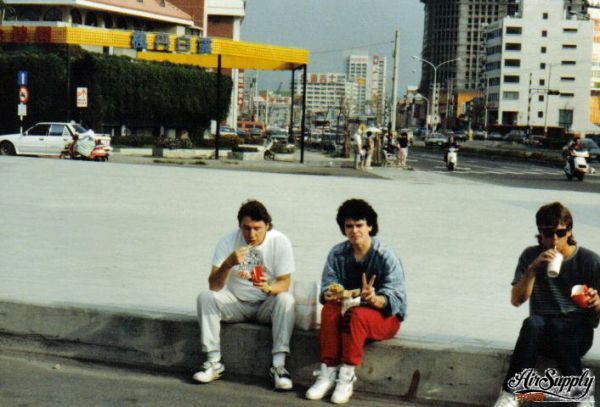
(121, 91)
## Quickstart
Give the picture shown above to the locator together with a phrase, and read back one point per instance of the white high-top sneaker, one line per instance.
(325, 380)
(344, 387)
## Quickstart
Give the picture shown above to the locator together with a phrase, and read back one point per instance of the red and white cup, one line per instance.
(257, 273)
(579, 295)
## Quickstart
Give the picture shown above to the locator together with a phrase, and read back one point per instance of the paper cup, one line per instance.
(578, 295)
(554, 265)
(257, 273)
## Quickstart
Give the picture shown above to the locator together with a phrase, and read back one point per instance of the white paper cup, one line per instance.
(554, 265)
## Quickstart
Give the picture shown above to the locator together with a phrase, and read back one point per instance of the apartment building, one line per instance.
(539, 67)
(357, 71)
(325, 91)
(378, 76)
(456, 29)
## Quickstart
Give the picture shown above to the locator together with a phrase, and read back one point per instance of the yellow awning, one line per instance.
(202, 52)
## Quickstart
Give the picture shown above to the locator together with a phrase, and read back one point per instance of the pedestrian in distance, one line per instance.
(369, 144)
(560, 325)
(356, 143)
(362, 289)
(403, 149)
(249, 280)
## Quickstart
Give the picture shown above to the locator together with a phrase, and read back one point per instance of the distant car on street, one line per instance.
(535, 140)
(480, 135)
(47, 138)
(435, 140)
(514, 136)
(495, 136)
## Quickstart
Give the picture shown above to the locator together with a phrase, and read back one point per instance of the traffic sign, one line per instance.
(21, 110)
(23, 94)
(22, 78)
(82, 97)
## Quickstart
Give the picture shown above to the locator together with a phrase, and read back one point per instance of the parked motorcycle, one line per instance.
(452, 158)
(576, 165)
(86, 148)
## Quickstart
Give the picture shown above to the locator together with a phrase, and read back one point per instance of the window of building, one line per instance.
(53, 14)
(567, 95)
(494, 81)
(565, 118)
(512, 62)
(545, 16)
(570, 30)
(76, 16)
(108, 21)
(121, 23)
(567, 79)
(543, 50)
(540, 114)
(91, 20)
(510, 95)
(514, 30)
(542, 82)
(540, 98)
(567, 62)
(511, 78)
(30, 15)
(512, 46)
(569, 46)
(544, 33)
(542, 65)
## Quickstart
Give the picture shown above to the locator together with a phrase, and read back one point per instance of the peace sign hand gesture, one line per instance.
(367, 292)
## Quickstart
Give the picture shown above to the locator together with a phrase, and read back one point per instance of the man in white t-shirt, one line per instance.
(238, 294)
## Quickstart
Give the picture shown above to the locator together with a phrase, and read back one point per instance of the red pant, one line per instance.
(343, 337)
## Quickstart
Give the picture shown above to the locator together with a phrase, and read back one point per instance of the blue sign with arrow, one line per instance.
(22, 78)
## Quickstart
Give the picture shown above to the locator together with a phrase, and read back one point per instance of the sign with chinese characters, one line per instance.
(82, 97)
(161, 42)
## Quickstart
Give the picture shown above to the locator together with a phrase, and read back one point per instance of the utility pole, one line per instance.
(395, 83)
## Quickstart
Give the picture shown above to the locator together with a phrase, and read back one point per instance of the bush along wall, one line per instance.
(121, 91)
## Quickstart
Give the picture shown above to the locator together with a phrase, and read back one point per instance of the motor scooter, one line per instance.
(452, 158)
(579, 166)
(86, 148)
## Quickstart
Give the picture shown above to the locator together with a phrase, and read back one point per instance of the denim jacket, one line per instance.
(342, 268)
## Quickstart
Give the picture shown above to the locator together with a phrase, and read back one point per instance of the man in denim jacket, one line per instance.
(364, 298)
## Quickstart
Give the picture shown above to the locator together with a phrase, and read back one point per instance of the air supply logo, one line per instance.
(529, 385)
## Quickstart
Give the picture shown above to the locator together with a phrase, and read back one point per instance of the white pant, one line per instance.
(217, 306)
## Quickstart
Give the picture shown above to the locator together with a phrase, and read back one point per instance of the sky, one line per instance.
(344, 27)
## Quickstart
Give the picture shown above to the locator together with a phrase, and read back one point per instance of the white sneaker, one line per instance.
(281, 378)
(210, 371)
(506, 399)
(325, 381)
(343, 388)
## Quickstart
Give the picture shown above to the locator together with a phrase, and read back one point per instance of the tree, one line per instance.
(3, 9)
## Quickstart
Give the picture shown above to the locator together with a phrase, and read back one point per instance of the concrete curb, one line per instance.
(402, 367)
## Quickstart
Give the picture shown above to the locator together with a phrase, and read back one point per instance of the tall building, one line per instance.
(539, 68)
(326, 91)
(456, 29)
(378, 74)
(357, 70)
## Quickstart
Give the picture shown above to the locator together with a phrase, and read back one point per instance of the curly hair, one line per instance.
(551, 215)
(256, 211)
(357, 209)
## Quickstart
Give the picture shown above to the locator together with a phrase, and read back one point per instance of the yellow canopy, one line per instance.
(202, 52)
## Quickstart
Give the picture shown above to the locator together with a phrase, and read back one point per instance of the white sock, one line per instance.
(279, 359)
(346, 371)
(214, 356)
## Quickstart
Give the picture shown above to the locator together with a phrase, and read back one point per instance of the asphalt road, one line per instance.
(510, 173)
(36, 380)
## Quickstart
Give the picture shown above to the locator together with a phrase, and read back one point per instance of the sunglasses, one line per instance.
(549, 232)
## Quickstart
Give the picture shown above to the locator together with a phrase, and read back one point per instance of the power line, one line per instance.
(348, 49)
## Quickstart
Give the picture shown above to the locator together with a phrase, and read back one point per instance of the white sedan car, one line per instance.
(43, 139)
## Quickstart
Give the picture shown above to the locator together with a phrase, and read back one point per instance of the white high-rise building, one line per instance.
(327, 91)
(378, 74)
(358, 72)
(539, 67)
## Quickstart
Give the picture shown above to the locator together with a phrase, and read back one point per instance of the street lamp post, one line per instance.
(434, 97)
